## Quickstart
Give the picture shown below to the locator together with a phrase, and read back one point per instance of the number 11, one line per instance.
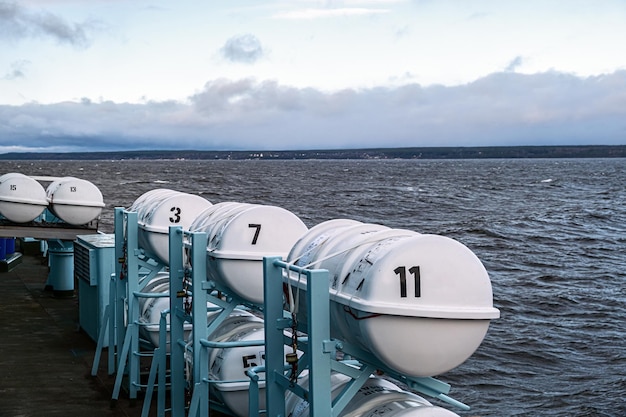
(415, 270)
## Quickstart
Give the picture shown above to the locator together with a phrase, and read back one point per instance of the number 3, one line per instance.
(176, 217)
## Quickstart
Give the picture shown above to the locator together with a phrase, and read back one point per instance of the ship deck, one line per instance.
(45, 358)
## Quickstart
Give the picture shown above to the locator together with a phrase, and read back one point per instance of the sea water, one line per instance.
(551, 233)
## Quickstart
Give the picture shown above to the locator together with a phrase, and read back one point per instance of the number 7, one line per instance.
(256, 232)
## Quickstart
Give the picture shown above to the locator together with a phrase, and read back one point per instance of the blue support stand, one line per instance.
(188, 265)
(320, 351)
(320, 345)
(189, 392)
(111, 322)
(185, 281)
(177, 322)
(134, 269)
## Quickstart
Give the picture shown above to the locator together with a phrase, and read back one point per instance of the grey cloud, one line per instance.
(243, 97)
(85, 125)
(501, 109)
(17, 70)
(245, 49)
(17, 22)
(514, 64)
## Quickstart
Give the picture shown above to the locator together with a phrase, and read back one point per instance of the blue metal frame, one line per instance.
(112, 319)
(320, 351)
(133, 270)
(187, 269)
(177, 322)
(320, 345)
(194, 244)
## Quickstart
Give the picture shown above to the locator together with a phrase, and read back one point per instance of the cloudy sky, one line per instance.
(192, 74)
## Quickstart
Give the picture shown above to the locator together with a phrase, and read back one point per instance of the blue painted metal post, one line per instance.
(321, 348)
(274, 344)
(127, 251)
(177, 322)
(161, 358)
(117, 318)
(132, 285)
(200, 322)
(111, 311)
(111, 323)
(157, 371)
(103, 328)
(320, 345)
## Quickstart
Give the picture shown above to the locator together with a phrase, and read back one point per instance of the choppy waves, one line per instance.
(552, 234)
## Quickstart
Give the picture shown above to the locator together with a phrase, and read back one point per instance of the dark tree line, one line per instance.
(582, 151)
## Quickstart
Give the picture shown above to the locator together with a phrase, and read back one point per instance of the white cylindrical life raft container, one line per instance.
(22, 198)
(150, 309)
(420, 303)
(376, 398)
(239, 236)
(227, 366)
(75, 201)
(159, 209)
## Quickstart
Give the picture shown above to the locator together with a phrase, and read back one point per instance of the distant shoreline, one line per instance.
(475, 152)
